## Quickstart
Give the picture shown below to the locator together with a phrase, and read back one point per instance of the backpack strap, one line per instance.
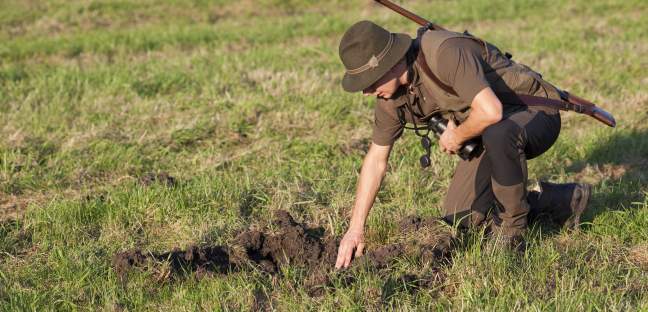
(420, 58)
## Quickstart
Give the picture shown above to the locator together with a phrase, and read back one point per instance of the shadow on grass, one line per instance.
(617, 167)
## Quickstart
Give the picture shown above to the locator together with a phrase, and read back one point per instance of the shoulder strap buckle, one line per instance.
(575, 107)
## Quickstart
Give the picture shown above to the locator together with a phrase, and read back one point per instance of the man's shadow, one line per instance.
(617, 168)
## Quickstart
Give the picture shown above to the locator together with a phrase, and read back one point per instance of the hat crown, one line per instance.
(368, 52)
(363, 43)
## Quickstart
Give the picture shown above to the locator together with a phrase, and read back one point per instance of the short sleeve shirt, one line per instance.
(459, 64)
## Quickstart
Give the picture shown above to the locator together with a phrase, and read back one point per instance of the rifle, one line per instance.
(417, 19)
(568, 101)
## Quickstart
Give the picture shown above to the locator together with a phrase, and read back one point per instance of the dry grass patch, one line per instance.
(639, 255)
(12, 206)
(594, 174)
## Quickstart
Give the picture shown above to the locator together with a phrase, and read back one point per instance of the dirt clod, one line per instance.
(293, 244)
(202, 260)
(12, 206)
(360, 146)
(261, 300)
(163, 178)
(414, 223)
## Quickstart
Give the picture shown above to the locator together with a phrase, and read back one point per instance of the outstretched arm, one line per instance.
(374, 167)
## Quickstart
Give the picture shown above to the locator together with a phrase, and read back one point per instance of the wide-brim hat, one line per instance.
(368, 52)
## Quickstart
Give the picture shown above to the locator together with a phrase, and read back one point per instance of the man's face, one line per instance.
(386, 86)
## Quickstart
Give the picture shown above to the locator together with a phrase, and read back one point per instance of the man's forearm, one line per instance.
(371, 176)
(473, 126)
(486, 110)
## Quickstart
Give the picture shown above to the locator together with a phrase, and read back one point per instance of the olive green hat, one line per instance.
(369, 51)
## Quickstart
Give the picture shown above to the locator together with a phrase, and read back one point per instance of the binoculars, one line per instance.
(438, 125)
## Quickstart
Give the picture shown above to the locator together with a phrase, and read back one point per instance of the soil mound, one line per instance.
(293, 244)
(290, 243)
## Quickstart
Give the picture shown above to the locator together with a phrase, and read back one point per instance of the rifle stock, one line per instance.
(603, 117)
(592, 110)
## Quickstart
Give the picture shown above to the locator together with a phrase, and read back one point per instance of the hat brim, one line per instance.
(361, 81)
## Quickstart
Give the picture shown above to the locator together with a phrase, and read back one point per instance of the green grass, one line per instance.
(241, 102)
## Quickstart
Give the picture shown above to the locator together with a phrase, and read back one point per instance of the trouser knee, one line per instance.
(502, 137)
(505, 150)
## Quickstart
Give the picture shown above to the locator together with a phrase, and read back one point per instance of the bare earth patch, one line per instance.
(297, 245)
(163, 178)
(639, 255)
(10, 207)
(13, 207)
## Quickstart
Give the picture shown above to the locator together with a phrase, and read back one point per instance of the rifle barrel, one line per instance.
(417, 19)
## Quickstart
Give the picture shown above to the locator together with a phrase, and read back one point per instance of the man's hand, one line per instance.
(353, 239)
(450, 142)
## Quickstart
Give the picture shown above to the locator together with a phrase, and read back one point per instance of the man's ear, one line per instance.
(401, 74)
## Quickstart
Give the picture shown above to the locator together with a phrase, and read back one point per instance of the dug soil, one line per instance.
(163, 178)
(290, 243)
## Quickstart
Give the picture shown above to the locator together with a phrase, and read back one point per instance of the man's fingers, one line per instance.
(341, 261)
(341, 256)
(359, 250)
(347, 261)
(344, 256)
(349, 247)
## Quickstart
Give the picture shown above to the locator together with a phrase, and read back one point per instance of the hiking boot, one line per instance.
(563, 203)
(514, 243)
(506, 238)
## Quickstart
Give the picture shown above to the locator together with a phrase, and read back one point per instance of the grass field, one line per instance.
(240, 102)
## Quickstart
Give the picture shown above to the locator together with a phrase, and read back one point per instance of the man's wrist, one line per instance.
(356, 228)
(460, 135)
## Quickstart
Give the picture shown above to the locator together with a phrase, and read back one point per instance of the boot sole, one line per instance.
(574, 221)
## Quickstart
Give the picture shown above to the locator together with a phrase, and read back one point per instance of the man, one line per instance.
(475, 86)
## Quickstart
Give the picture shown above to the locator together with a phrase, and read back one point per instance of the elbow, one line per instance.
(494, 117)
(492, 114)
(490, 117)
(488, 106)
